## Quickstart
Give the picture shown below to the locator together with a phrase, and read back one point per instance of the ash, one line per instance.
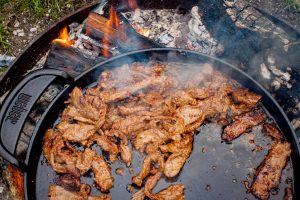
(172, 29)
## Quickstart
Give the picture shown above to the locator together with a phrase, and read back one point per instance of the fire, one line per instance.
(63, 38)
(144, 31)
(113, 22)
(132, 4)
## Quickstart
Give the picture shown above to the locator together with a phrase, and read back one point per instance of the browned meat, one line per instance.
(268, 174)
(288, 194)
(76, 132)
(241, 123)
(156, 110)
(139, 195)
(126, 154)
(89, 109)
(200, 93)
(173, 192)
(117, 95)
(150, 184)
(69, 182)
(130, 124)
(102, 172)
(59, 193)
(272, 131)
(149, 160)
(180, 150)
(107, 145)
(61, 156)
(244, 96)
(84, 160)
(148, 136)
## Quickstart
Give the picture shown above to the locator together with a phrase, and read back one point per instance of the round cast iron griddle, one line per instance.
(215, 170)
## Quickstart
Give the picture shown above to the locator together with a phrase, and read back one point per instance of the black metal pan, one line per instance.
(216, 173)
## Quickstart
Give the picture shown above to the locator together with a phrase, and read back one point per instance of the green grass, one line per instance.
(40, 8)
(3, 36)
(293, 5)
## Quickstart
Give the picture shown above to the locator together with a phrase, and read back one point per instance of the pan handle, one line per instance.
(17, 107)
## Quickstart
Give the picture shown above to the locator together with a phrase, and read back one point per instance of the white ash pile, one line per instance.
(172, 29)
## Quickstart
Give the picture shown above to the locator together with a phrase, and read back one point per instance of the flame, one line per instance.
(63, 38)
(144, 31)
(113, 22)
(132, 4)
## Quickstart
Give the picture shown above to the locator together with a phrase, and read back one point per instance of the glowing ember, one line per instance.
(132, 4)
(64, 38)
(113, 22)
(16, 181)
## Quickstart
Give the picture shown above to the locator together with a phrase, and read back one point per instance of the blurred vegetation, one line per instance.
(39, 8)
(293, 5)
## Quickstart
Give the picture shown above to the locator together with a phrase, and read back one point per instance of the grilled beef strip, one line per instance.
(241, 123)
(268, 173)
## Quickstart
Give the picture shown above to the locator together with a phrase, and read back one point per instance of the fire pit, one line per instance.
(253, 40)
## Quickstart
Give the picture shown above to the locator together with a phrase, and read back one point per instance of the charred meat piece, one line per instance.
(58, 193)
(69, 182)
(272, 131)
(146, 168)
(241, 123)
(76, 132)
(244, 96)
(102, 172)
(268, 174)
(173, 192)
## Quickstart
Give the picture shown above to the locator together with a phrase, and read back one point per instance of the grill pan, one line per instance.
(215, 170)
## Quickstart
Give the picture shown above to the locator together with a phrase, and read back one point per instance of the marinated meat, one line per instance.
(180, 150)
(76, 132)
(88, 109)
(102, 174)
(272, 131)
(84, 160)
(156, 110)
(150, 184)
(244, 96)
(148, 136)
(107, 145)
(126, 154)
(173, 192)
(288, 194)
(241, 123)
(151, 158)
(69, 182)
(61, 156)
(59, 193)
(139, 195)
(268, 174)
